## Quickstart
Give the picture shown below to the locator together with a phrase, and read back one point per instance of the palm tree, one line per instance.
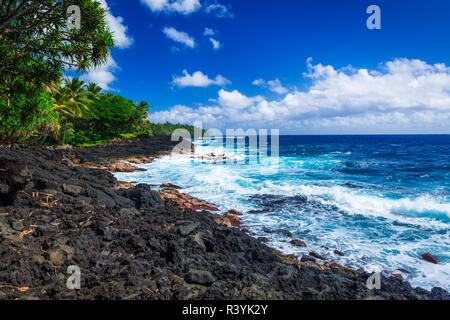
(94, 89)
(72, 100)
(143, 108)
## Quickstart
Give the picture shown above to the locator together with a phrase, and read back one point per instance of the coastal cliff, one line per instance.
(60, 208)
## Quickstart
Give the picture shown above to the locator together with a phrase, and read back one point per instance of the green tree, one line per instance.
(71, 101)
(94, 89)
(36, 46)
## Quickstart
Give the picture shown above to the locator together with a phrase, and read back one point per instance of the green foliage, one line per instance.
(160, 129)
(31, 118)
(35, 48)
(110, 116)
(36, 45)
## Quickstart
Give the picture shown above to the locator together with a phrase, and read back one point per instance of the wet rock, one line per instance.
(270, 201)
(298, 243)
(429, 258)
(255, 211)
(289, 258)
(223, 220)
(352, 186)
(235, 212)
(185, 201)
(234, 219)
(169, 186)
(316, 255)
(397, 276)
(403, 270)
(140, 159)
(313, 264)
(200, 277)
(283, 232)
(305, 258)
(122, 167)
(339, 253)
(263, 239)
(439, 294)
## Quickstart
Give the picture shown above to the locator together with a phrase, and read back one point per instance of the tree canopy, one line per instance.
(38, 44)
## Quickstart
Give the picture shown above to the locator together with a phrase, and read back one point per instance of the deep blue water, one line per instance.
(381, 200)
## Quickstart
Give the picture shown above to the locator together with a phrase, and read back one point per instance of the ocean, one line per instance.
(381, 200)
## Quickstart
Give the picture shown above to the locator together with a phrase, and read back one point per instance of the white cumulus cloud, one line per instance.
(219, 10)
(179, 6)
(120, 36)
(103, 75)
(198, 79)
(401, 96)
(209, 32)
(216, 44)
(272, 85)
(179, 36)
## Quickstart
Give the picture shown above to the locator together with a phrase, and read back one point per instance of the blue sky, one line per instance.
(303, 66)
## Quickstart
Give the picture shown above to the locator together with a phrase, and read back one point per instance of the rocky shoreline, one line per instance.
(61, 207)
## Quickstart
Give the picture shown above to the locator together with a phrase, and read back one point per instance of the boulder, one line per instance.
(263, 239)
(289, 258)
(200, 277)
(188, 228)
(234, 219)
(429, 258)
(143, 197)
(316, 255)
(298, 243)
(305, 258)
(397, 276)
(71, 189)
(235, 212)
(219, 219)
(169, 186)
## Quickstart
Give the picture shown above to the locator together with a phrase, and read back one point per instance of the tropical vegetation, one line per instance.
(39, 105)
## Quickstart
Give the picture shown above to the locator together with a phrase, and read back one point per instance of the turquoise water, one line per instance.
(381, 200)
